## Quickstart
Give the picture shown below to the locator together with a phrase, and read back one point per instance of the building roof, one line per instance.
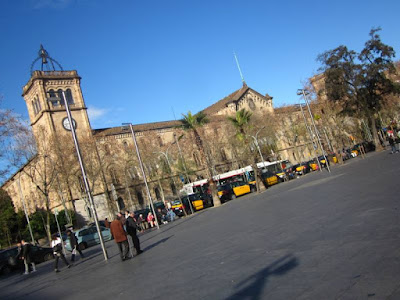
(234, 97)
(136, 128)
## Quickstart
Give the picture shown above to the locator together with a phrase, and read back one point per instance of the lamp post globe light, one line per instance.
(305, 93)
(255, 138)
(51, 99)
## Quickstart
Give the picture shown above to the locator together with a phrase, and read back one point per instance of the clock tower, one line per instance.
(44, 94)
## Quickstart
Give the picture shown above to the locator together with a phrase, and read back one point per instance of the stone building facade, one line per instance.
(113, 169)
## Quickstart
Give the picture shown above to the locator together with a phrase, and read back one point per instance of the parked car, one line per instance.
(196, 201)
(177, 207)
(231, 190)
(9, 260)
(324, 162)
(269, 178)
(88, 236)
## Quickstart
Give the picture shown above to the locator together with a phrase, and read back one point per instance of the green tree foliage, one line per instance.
(360, 81)
(240, 121)
(8, 220)
(193, 123)
(14, 227)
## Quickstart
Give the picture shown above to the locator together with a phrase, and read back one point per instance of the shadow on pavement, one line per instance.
(173, 225)
(252, 287)
(157, 243)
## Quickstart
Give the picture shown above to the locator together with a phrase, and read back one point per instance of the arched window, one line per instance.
(52, 93)
(196, 159)
(34, 108)
(139, 196)
(121, 203)
(131, 172)
(173, 188)
(157, 192)
(160, 141)
(60, 96)
(113, 175)
(107, 149)
(125, 143)
(68, 95)
(39, 107)
(223, 154)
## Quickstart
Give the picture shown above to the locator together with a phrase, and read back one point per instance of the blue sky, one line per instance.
(142, 60)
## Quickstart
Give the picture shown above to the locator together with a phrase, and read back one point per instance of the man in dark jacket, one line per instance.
(73, 241)
(26, 256)
(131, 229)
(120, 238)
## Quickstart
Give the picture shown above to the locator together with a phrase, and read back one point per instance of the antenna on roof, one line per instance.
(240, 71)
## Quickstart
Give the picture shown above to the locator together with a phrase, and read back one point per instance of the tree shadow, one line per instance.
(253, 286)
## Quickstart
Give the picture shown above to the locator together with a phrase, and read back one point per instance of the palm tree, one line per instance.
(240, 121)
(192, 123)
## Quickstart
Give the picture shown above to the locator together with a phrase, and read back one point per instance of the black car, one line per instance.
(10, 261)
(225, 192)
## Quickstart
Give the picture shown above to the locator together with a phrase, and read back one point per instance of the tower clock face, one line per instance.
(67, 125)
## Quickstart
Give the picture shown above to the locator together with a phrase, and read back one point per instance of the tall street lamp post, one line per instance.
(143, 172)
(311, 136)
(255, 138)
(184, 168)
(82, 167)
(303, 92)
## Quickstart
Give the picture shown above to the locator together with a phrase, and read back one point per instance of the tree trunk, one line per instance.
(213, 188)
(48, 230)
(375, 136)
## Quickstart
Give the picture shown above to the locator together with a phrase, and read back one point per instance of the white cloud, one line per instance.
(96, 113)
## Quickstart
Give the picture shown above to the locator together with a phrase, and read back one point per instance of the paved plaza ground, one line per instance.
(322, 236)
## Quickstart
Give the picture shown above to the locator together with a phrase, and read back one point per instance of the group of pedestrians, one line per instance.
(56, 244)
(121, 227)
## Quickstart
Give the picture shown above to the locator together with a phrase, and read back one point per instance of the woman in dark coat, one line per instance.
(26, 256)
(74, 245)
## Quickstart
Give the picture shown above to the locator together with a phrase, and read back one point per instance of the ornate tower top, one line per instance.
(45, 59)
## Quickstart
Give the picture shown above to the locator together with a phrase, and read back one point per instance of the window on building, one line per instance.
(107, 149)
(173, 188)
(131, 172)
(68, 95)
(196, 159)
(160, 141)
(139, 196)
(223, 154)
(60, 98)
(157, 192)
(125, 143)
(34, 108)
(38, 105)
(113, 175)
(121, 203)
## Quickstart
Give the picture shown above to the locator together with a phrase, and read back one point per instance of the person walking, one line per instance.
(392, 143)
(131, 228)
(26, 250)
(73, 241)
(58, 252)
(119, 234)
